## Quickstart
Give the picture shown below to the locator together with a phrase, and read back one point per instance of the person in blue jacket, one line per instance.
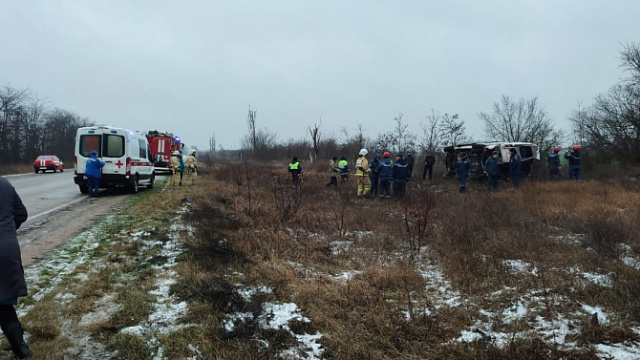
(384, 173)
(373, 177)
(400, 173)
(93, 173)
(515, 167)
(492, 169)
(463, 170)
(575, 159)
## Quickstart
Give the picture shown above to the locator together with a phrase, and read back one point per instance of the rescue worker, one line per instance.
(192, 167)
(400, 175)
(362, 173)
(374, 174)
(429, 161)
(333, 169)
(410, 161)
(384, 172)
(12, 282)
(492, 169)
(175, 168)
(515, 167)
(343, 168)
(463, 170)
(575, 159)
(93, 173)
(295, 169)
(553, 163)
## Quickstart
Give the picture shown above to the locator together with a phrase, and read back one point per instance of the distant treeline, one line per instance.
(28, 128)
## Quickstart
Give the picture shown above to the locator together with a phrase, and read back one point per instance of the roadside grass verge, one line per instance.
(546, 271)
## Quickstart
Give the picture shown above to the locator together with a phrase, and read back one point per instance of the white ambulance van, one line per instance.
(125, 153)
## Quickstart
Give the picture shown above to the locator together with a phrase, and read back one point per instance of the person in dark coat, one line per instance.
(463, 170)
(12, 283)
(492, 169)
(384, 172)
(400, 174)
(429, 161)
(410, 161)
(553, 163)
(373, 177)
(515, 167)
(93, 173)
(575, 159)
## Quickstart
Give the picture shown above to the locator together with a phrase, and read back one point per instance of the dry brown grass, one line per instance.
(254, 224)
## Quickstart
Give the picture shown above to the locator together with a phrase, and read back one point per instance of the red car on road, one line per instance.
(48, 162)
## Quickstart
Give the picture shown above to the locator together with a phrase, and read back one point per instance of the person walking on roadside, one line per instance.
(429, 161)
(492, 169)
(374, 174)
(575, 159)
(410, 161)
(400, 175)
(295, 169)
(12, 282)
(343, 168)
(176, 179)
(384, 172)
(553, 163)
(362, 173)
(93, 173)
(463, 170)
(515, 167)
(333, 169)
(192, 167)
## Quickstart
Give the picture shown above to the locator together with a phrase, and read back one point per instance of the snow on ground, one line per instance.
(520, 267)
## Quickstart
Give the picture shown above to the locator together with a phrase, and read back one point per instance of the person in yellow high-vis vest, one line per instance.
(362, 173)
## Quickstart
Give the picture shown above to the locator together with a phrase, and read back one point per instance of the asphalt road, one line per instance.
(46, 193)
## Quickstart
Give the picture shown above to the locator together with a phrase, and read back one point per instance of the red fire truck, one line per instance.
(161, 145)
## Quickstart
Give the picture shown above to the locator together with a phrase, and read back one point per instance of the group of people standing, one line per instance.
(178, 167)
(574, 157)
(376, 177)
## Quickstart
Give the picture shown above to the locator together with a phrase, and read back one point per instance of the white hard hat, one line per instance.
(193, 151)
(176, 152)
(363, 152)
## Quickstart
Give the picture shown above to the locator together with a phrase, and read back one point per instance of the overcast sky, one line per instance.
(194, 67)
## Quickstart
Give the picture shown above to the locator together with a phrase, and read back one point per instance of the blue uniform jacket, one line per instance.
(400, 170)
(574, 158)
(93, 167)
(492, 166)
(464, 167)
(384, 169)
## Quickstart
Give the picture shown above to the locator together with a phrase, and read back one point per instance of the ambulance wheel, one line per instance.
(134, 187)
(151, 180)
(84, 189)
(36, 171)
(61, 169)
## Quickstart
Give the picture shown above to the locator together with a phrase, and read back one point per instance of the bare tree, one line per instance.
(430, 132)
(315, 139)
(253, 136)
(452, 130)
(400, 130)
(522, 120)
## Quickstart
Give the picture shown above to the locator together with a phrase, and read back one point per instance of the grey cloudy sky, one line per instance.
(193, 67)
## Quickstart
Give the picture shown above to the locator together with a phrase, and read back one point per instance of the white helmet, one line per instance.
(363, 152)
(176, 152)
(193, 151)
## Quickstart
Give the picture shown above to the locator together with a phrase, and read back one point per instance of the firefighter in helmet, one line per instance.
(362, 173)
(175, 167)
(192, 167)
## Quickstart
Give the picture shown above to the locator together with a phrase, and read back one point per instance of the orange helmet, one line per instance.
(576, 148)
(386, 154)
(556, 149)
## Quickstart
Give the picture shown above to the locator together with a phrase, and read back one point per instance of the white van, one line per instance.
(125, 153)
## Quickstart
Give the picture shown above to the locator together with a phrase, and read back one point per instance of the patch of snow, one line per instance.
(346, 275)
(340, 247)
(603, 318)
(229, 323)
(619, 352)
(248, 292)
(438, 289)
(598, 279)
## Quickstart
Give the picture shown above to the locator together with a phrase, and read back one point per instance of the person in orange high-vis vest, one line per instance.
(362, 173)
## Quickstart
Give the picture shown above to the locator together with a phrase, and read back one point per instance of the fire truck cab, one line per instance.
(125, 153)
(162, 145)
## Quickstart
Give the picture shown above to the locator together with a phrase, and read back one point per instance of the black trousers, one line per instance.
(427, 169)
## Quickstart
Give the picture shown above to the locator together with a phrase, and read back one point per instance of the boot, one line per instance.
(14, 334)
